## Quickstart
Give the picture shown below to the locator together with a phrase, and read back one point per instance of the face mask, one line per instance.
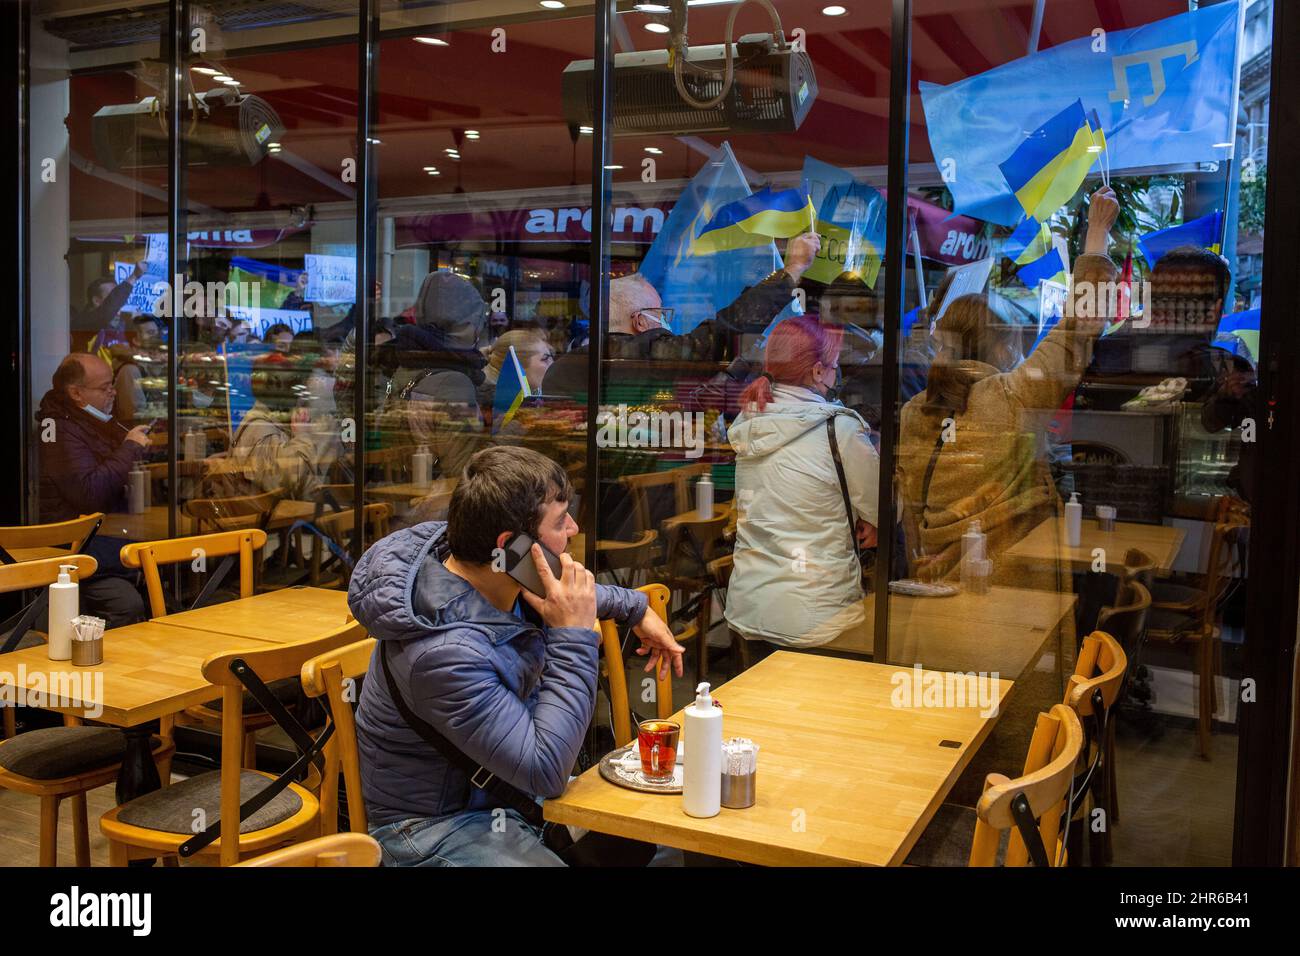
(91, 410)
(201, 399)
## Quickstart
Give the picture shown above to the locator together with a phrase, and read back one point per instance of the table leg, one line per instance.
(139, 774)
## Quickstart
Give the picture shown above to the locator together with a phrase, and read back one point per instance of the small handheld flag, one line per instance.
(1047, 169)
(755, 220)
(512, 389)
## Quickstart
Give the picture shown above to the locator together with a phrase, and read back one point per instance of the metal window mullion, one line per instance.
(366, 238)
(895, 272)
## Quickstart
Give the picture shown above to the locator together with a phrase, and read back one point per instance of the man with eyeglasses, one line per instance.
(85, 456)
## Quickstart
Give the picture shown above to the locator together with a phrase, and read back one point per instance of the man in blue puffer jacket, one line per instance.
(507, 677)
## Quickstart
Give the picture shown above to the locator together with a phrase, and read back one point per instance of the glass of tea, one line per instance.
(658, 742)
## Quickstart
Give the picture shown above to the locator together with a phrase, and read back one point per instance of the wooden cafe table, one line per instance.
(1045, 545)
(273, 617)
(150, 670)
(844, 776)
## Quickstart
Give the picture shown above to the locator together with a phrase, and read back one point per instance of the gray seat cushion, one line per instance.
(171, 810)
(285, 691)
(54, 752)
(946, 841)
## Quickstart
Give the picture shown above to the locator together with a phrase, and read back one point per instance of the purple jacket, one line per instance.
(84, 464)
(514, 695)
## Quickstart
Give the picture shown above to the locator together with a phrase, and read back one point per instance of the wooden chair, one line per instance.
(1185, 613)
(1092, 691)
(333, 676)
(640, 486)
(162, 823)
(613, 556)
(338, 525)
(235, 513)
(61, 763)
(339, 849)
(1126, 622)
(615, 669)
(1029, 808)
(150, 556)
(70, 535)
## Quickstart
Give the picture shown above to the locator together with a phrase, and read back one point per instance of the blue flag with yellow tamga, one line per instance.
(755, 220)
(696, 287)
(1164, 92)
(512, 389)
(1047, 169)
(1204, 233)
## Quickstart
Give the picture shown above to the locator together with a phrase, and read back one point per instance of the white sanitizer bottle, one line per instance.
(1073, 521)
(702, 774)
(65, 604)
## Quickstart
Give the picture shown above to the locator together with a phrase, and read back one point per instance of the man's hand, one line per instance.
(800, 253)
(300, 422)
(141, 267)
(139, 435)
(570, 599)
(1103, 210)
(657, 638)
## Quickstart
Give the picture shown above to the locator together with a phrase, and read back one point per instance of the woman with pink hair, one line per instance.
(797, 578)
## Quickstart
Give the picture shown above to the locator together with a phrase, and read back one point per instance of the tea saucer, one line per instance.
(623, 767)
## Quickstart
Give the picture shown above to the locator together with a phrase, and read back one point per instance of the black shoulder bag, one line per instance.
(864, 559)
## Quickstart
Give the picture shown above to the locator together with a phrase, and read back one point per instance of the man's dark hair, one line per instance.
(274, 330)
(501, 489)
(92, 290)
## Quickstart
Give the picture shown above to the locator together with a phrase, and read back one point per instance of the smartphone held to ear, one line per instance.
(520, 564)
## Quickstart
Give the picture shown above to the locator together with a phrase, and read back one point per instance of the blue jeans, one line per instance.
(497, 837)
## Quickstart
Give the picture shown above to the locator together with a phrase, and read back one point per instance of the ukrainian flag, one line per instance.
(1048, 168)
(756, 220)
(1031, 240)
(1204, 232)
(1046, 268)
(512, 389)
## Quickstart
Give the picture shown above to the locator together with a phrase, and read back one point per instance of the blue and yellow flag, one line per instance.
(1204, 233)
(1046, 268)
(756, 220)
(1031, 240)
(1047, 169)
(512, 389)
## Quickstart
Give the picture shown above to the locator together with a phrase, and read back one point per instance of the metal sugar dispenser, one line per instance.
(739, 773)
(87, 640)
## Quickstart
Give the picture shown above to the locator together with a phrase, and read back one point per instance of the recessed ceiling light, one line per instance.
(272, 145)
(431, 41)
(229, 82)
(206, 70)
(553, 4)
(835, 10)
(614, 167)
(451, 151)
(471, 134)
(651, 8)
(654, 149)
(585, 130)
(429, 168)
(433, 172)
(222, 77)
(657, 27)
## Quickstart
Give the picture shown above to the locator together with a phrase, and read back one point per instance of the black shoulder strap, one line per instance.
(505, 794)
(929, 475)
(844, 485)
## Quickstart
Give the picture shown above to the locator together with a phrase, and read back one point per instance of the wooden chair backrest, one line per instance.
(270, 663)
(614, 555)
(721, 569)
(70, 534)
(233, 513)
(333, 675)
(338, 525)
(1126, 619)
(38, 574)
(1101, 666)
(149, 556)
(679, 478)
(339, 849)
(693, 540)
(1139, 566)
(1045, 784)
(624, 732)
